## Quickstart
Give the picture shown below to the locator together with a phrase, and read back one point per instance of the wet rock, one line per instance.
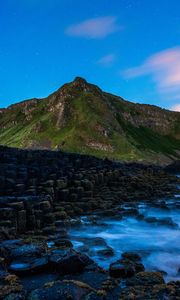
(95, 278)
(7, 247)
(131, 212)
(164, 273)
(75, 222)
(140, 217)
(93, 219)
(36, 281)
(28, 265)
(137, 266)
(28, 250)
(133, 256)
(127, 266)
(83, 249)
(120, 270)
(62, 243)
(168, 291)
(146, 278)
(64, 290)
(68, 262)
(163, 205)
(98, 241)
(107, 252)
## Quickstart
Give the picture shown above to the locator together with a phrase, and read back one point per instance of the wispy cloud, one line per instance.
(176, 107)
(107, 60)
(164, 67)
(95, 28)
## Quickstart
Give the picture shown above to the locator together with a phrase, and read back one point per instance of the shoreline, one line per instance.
(41, 196)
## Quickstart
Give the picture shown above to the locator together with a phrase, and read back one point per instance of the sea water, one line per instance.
(157, 244)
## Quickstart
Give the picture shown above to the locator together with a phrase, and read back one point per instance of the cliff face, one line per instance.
(80, 117)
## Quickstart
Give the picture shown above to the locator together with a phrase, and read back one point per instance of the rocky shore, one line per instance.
(42, 195)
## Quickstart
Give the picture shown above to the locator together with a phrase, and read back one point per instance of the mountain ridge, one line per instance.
(80, 117)
(78, 79)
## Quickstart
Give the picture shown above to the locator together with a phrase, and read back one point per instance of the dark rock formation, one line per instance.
(126, 267)
(42, 194)
(44, 189)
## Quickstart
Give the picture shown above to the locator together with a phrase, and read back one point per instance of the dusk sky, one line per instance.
(129, 48)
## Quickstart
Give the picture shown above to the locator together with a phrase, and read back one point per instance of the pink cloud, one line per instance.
(94, 28)
(176, 107)
(107, 60)
(164, 67)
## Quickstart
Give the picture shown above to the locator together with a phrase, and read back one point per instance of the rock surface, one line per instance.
(41, 191)
(42, 195)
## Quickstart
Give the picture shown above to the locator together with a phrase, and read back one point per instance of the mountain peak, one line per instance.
(80, 80)
(80, 117)
(81, 84)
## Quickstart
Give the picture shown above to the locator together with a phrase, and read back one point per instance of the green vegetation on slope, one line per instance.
(79, 117)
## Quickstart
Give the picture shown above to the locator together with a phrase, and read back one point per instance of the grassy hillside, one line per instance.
(79, 117)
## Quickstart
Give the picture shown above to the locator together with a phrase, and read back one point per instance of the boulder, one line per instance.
(63, 243)
(28, 250)
(120, 270)
(133, 256)
(62, 290)
(68, 261)
(106, 252)
(28, 265)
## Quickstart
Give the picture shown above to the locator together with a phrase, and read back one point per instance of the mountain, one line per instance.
(80, 117)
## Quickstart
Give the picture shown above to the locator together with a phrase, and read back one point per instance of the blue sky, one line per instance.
(130, 48)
